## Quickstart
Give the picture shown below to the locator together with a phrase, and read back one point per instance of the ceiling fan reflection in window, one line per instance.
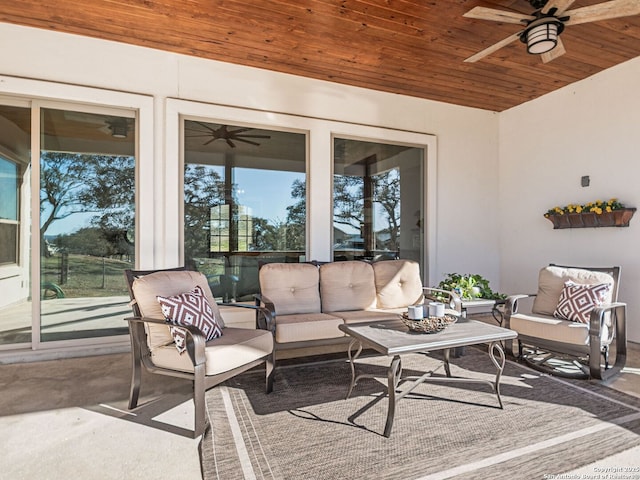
(222, 132)
(542, 29)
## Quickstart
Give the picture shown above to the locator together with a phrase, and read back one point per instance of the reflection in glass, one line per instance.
(244, 203)
(15, 216)
(377, 188)
(87, 216)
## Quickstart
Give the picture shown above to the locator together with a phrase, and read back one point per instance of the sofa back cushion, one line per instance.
(292, 287)
(398, 283)
(346, 286)
(551, 281)
(146, 289)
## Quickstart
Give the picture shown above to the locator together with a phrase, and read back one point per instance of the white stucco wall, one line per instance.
(467, 221)
(589, 128)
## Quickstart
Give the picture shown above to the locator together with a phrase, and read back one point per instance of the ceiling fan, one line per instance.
(542, 28)
(223, 132)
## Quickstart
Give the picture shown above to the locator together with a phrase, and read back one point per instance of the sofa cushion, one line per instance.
(551, 281)
(191, 308)
(166, 284)
(237, 347)
(347, 286)
(292, 287)
(398, 283)
(308, 326)
(360, 316)
(577, 301)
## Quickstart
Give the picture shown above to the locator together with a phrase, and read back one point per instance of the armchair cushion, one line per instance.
(550, 328)
(190, 308)
(237, 347)
(577, 301)
(551, 281)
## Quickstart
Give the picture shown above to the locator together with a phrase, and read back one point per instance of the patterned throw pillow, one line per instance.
(577, 301)
(189, 309)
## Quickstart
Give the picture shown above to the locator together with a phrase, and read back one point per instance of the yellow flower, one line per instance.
(597, 207)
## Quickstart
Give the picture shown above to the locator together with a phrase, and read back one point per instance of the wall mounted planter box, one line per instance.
(617, 218)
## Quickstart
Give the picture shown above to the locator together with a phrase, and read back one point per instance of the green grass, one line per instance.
(87, 276)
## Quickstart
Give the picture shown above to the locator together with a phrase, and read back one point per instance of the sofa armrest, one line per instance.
(446, 296)
(264, 318)
(267, 311)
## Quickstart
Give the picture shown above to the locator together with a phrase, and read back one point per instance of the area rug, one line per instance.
(306, 429)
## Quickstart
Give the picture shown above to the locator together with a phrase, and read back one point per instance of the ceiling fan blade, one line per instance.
(558, 51)
(493, 48)
(230, 143)
(484, 13)
(204, 125)
(252, 136)
(559, 5)
(603, 11)
(250, 142)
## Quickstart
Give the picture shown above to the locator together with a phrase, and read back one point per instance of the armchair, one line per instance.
(206, 364)
(550, 344)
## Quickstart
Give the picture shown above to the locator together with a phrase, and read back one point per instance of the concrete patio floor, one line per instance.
(67, 419)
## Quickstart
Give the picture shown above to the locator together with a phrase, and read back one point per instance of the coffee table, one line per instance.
(393, 339)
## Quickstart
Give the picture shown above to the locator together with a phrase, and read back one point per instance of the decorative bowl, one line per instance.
(429, 324)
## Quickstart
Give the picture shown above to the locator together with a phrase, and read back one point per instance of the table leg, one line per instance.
(352, 360)
(447, 367)
(393, 378)
(496, 347)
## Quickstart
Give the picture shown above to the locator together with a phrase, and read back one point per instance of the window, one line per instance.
(244, 202)
(377, 201)
(9, 210)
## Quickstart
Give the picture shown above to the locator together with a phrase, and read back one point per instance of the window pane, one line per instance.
(377, 188)
(87, 192)
(244, 203)
(15, 218)
(8, 190)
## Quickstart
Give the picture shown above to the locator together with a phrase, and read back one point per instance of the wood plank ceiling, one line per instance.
(410, 47)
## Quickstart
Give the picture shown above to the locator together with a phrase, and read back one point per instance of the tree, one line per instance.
(386, 192)
(72, 183)
(348, 201)
(203, 190)
(297, 217)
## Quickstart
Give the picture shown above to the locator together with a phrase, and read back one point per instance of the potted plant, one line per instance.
(469, 286)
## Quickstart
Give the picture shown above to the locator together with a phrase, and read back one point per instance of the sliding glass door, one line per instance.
(87, 222)
(67, 221)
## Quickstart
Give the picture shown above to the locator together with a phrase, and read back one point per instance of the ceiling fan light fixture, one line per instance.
(119, 128)
(542, 38)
